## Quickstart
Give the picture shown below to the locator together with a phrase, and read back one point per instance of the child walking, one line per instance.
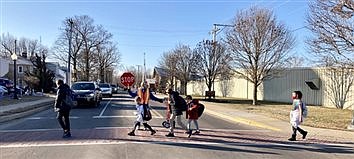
(192, 114)
(139, 119)
(297, 115)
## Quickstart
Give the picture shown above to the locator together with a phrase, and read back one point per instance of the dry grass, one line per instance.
(318, 116)
(8, 100)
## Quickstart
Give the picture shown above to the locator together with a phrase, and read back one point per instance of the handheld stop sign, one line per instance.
(127, 79)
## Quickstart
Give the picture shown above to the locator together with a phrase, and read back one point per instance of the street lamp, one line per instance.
(14, 58)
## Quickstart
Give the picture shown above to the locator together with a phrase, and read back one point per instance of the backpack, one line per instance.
(180, 102)
(68, 100)
(147, 114)
(304, 110)
(201, 108)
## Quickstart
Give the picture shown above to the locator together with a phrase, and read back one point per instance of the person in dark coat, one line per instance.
(175, 111)
(63, 109)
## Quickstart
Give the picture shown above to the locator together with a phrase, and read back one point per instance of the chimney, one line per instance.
(24, 54)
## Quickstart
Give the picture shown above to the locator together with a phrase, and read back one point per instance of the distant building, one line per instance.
(314, 83)
(161, 79)
(59, 72)
(4, 66)
(23, 65)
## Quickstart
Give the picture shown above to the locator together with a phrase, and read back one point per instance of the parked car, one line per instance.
(114, 88)
(6, 83)
(3, 90)
(106, 89)
(86, 93)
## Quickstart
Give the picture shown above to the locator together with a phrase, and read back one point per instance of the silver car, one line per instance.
(106, 89)
(87, 93)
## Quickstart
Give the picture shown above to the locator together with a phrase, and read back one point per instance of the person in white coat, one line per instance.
(139, 119)
(297, 115)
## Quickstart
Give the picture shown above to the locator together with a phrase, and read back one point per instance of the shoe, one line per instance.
(304, 135)
(66, 135)
(153, 132)
(196, 132)
(170, 135)
(189, 133)
(292, 139)
(131, 133)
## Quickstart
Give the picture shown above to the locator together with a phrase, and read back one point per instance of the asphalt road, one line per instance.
(102, 133)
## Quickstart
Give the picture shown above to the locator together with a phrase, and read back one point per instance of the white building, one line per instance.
(280, 89)
(4, 66)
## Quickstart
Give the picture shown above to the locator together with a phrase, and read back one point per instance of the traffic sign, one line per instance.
(127, 79)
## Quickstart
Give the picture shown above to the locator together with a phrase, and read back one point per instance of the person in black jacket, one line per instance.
(63, 109)
(176, 112)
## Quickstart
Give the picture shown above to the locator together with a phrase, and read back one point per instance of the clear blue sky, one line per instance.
(138, 26)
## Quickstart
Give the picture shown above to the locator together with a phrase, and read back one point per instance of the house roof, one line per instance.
(20, 61)
(160, 71)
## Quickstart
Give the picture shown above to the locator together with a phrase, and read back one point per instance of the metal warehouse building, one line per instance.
(315, 83)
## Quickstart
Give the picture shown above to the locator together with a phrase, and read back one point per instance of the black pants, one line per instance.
(63, 119)
(297, 129)
(146, 125)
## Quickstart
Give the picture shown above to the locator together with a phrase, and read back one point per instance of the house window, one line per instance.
(20, 69)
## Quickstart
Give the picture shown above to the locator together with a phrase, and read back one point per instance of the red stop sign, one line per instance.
(127, 79)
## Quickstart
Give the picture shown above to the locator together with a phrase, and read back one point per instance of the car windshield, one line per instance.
(83, 86)
(113, 86)
(104, 85)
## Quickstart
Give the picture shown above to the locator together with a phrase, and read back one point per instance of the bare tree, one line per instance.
(7, 45)
(106, 57)
(86, 38)
(186, 65)
(168, 62)
(340, 83)
(61, 45)
(260, 45)
(23, 45)
(331, 22)
(212, 61)
(225, 82)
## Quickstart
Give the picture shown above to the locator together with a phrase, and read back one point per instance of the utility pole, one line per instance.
(138, 75)
(68, 76)
(215, 31)
(144, 76)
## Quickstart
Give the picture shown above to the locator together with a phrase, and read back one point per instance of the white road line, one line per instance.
(105, 128)
(29, 130)
(105, 107)
(157, 113)
(119, 116)
(39, 118)
(100, 142)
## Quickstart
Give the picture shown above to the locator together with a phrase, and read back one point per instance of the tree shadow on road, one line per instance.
(247, 142)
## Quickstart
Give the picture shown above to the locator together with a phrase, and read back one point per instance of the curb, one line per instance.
(242, 120)
(26, 111)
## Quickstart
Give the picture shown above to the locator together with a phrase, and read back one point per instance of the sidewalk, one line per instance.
(221, 110)
(283, 127)
(15, 111)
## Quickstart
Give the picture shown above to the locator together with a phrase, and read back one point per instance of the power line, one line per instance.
(155, 30)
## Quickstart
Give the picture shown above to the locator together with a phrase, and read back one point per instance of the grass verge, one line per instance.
(8, 100)
(318, 116)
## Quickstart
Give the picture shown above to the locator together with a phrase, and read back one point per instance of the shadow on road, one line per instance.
(208, 140)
